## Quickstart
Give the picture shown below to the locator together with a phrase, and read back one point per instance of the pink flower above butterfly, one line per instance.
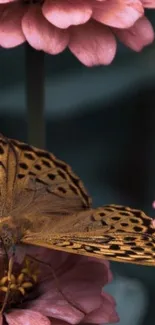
(153, 204)
(74, 297)
(89, 28)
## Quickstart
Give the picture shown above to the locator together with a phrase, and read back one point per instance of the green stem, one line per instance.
(35, 96)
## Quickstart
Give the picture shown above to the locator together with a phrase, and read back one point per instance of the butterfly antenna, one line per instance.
(5, 250)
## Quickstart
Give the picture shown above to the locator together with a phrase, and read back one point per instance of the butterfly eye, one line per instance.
(6, 236)
(7, 241)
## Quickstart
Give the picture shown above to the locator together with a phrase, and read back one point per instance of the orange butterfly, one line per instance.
(44, 203)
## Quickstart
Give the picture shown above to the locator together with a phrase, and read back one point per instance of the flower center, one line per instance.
(23, 279)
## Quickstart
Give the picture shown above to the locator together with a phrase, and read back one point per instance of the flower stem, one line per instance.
(35, 96)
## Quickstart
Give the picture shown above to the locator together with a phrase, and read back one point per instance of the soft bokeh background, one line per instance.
(102, 122)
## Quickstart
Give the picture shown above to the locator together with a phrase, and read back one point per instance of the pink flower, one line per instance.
(79, 300)
(88, 27)
(153, 204)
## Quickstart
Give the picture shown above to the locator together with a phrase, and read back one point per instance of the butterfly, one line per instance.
(43, 203)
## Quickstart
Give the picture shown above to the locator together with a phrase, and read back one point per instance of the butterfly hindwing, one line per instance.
(108, 232)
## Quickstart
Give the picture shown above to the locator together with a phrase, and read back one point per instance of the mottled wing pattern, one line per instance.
(112, 232)
(8, 172)
(33, 181)
(51, 208)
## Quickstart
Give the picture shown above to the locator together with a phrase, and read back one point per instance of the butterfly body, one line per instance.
(43, 203)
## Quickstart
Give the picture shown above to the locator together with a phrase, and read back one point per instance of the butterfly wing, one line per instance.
(51, 208)
(112, 232)
(8, 171)
(35, 181)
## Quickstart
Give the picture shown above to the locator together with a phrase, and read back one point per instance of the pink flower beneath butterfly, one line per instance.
(88, 27)
(74, 297)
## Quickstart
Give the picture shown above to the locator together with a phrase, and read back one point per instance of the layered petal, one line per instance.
(137, 36)
(80, 290)
(79, 298)
(63, 14)
(54, 305)
(78, 286)
(69, 296)
(92, 44)
(41, 34)
(26, 317)
(98, 309)
(10, 24)
(118, 13)
(105, 314)
(100, 272)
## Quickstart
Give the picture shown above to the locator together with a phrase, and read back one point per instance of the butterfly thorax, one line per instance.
(9, 232)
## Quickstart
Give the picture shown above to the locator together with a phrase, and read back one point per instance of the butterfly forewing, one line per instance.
(37, 182)
(51, 208)
(8, 171)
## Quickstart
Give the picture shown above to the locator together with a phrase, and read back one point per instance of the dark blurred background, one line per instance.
(102, 122)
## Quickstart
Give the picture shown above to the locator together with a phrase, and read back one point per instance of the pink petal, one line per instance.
(56, 258)
(153, 223)
(92, 44)
(63, 14)
(108, 297)
(82, 291)
(148, 3)
(26, 317)
(78, 297)
(153, 204)
(104, 314)
(137, 36)
(58, 322)
(118, 13)
(41, 34)
(79, 285)
(10, 25)
(54, 305)
(6, 1)
(100, 274)
(83, 294)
